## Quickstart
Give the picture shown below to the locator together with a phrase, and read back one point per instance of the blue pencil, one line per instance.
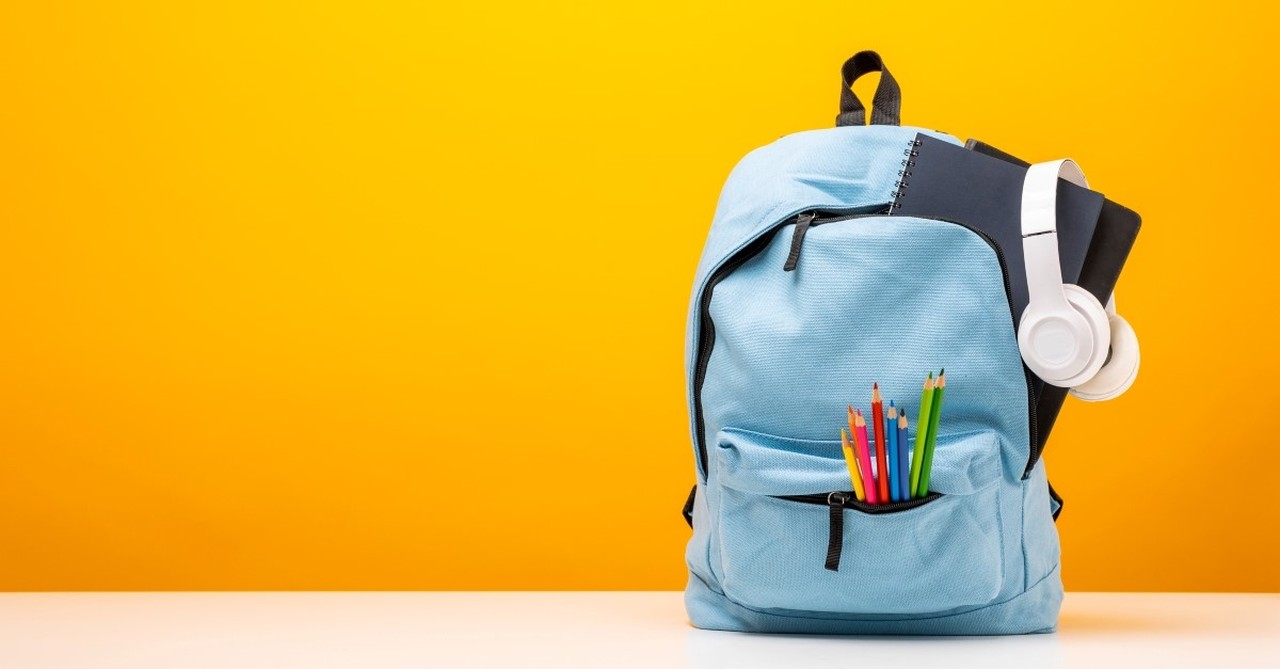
(904, 458)
(895, 472)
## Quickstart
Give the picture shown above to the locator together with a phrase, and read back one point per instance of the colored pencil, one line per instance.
(877, 428)
(935, 413)
(864, 457)
(904, 458)
(852, 462)
(922, 432)
(891, 435)
(854, 443)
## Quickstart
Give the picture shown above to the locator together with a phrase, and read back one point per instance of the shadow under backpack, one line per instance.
(771, 356)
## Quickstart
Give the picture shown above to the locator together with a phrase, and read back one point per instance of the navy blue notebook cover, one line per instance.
(952, 182)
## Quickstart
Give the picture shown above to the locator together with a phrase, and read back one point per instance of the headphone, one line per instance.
(1064, 332)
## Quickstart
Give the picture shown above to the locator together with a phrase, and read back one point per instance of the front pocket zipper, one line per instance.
(838, 502)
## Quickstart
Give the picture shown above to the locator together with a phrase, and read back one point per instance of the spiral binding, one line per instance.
(900, 186)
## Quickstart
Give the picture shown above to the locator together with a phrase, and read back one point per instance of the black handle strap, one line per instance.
(886, 106)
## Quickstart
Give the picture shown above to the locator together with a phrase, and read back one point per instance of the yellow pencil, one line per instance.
(852, 462)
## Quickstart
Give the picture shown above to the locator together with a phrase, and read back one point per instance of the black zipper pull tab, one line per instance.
(797, 239)
(835, 538)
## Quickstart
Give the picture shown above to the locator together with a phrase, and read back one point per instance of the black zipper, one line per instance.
(851, 502)
(706, 336)
(803, 221)
(837, 502)
(809, 219)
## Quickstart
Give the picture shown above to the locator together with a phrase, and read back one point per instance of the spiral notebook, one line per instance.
(942, 180)
(981, 186)
(1113, 236)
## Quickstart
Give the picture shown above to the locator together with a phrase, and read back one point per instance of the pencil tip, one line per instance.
(875, 385)
(943, 372)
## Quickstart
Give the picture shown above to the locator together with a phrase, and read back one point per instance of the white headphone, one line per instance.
(1063, 329)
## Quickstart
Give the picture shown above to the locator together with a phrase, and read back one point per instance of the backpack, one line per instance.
(809, 290)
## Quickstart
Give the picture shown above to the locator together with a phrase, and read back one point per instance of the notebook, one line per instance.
(955, 183)
(981, 186)
(1113, 238)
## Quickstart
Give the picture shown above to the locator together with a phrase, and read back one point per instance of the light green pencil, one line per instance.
(922, 432)
(935, 413)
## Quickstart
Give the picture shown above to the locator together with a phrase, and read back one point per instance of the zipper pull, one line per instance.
(797, 239)
(835, 537)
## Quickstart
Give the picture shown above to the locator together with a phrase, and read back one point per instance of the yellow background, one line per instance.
(393, 295)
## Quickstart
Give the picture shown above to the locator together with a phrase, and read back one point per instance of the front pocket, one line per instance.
(940, 553)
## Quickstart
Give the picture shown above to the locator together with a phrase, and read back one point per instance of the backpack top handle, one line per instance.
(886, 106)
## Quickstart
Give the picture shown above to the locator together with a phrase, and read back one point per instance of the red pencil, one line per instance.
(877, 425)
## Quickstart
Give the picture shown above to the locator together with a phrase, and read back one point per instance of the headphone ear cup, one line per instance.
(1095, 316)
(1121, 370)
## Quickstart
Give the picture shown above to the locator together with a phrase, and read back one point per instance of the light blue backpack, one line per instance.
(808, 290)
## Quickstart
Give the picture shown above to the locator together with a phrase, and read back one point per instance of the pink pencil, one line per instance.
(864, 457)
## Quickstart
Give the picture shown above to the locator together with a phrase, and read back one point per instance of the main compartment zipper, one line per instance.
(707, 330)
(803, 221)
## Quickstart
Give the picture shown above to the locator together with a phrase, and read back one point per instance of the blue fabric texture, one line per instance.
(873, 298)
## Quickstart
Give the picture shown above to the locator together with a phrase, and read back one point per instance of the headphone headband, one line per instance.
(1040, 194)
(1040, 227)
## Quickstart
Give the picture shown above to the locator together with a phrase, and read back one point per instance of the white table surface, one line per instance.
(521, 630)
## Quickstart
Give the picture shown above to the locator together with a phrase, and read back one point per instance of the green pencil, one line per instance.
(935, 412)
(922, 432)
